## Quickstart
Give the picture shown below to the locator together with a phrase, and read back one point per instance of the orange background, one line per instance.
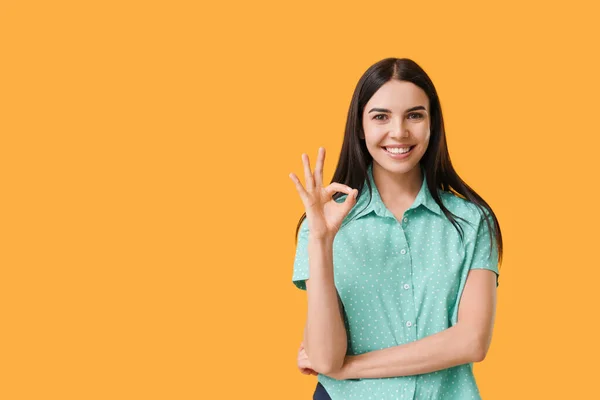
(148, 218)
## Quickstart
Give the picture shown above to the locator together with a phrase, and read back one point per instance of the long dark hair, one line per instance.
(354, 158)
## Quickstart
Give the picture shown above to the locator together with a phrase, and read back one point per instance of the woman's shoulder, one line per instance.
(461, 207)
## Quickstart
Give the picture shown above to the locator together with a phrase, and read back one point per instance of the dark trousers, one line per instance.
(320, 393)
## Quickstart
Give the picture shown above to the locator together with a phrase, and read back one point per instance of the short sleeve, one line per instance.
(301, 269)
(481, 256)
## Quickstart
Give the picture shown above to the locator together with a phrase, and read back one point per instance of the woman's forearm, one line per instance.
(451, 347)
(325, 339)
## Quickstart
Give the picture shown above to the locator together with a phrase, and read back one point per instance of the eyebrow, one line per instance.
(389, 111)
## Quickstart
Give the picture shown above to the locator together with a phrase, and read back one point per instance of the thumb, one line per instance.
(351, 199)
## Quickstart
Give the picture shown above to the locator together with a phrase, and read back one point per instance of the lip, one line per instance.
(399, 145)
(399, 156)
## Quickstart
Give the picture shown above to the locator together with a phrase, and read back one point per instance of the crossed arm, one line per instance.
(465, 342)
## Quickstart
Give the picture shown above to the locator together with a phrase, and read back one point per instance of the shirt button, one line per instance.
(403, 251)
(408, 323)
(405, 219)
(406, 286)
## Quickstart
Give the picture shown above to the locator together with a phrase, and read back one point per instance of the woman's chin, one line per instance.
(398, 166)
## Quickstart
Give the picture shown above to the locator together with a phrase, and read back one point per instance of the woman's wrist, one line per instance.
(321, 240)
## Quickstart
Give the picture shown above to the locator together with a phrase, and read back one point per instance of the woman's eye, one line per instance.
(384, 116)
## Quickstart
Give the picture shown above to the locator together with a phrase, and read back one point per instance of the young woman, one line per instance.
(401, 253)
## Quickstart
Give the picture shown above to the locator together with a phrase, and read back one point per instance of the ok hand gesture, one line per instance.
(324, 214)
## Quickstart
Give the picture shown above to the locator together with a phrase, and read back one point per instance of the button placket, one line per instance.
(408, 317)
(406, 301)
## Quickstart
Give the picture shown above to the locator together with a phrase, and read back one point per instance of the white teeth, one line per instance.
(397, 150)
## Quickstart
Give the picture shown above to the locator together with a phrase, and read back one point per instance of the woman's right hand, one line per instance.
(324, 214)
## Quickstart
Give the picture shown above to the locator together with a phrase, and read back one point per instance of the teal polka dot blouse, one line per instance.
(400, 281)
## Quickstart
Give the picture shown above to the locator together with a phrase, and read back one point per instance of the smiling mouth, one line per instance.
(399, 152)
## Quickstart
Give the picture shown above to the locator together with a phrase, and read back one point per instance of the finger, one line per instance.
(319, 168)
(303, 364)
(308, 177)
(351, 200)
(339, 187)
(309, 371)
(301, 191)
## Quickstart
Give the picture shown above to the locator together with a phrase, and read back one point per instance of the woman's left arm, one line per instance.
(465, 342)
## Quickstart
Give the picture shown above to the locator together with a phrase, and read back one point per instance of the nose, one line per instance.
(397, 130)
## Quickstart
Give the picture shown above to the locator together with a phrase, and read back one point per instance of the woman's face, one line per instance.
(397, 115)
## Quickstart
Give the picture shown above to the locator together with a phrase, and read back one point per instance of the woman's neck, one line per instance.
(398, 189)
